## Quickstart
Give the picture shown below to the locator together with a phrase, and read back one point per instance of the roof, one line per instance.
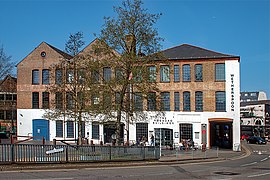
(64, 54)
(255, 103)
(186, 51)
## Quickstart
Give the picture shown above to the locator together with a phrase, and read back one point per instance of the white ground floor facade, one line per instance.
(210, 128)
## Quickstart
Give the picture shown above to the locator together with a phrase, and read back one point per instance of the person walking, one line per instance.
(152, 140)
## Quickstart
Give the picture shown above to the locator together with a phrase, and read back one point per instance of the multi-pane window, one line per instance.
(59, 128)
(138, 74)
(176, 101)
(138, 102)
(69, 98)
(151, 101)
(95, 76)
(221, 101)
(152, 73)
(165, 73)
(107, 100)
(45, 100)
(220, 72)
(107, 74)
(59, 100)
(165, 101)
(81, 76)
(45, 76)
(141, 131)
(186, 72)
(70, 75)
(119, 74)
(186, 101)
(35, 100)
(70, 129)
(58, 76)
(186, 132)
(176, 74)
(198, 72)
(199, 101)
(117, 98)
(83, 128)
(95, 131)
(35, 76)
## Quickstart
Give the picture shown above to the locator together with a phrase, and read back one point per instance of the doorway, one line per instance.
(109, 130)
(40, 129)
(163, 137)
(221, 134)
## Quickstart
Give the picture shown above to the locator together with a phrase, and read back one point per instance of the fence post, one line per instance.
(110, 152)
(12, 149)
(66, 153)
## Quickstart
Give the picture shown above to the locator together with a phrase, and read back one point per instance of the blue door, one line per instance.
(41, 129)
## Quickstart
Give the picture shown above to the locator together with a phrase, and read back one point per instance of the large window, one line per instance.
(164, 73)
(107, 74)
(35, 100)
(138, 102)
(58, 76)
(220, 72)
(176, 73)
(95, 131)
(221, 101)
(186, 101)
(45, 100)
(70, 129)
(59, 100)
(151, 101)
(59, 128)
(45, 76)
(165, 101)
(119, 74)
(199, 101)
(69, 98)
(141, 131)
(198, 72)
(186, 132)
(35, 76)
(95, 76)
(186, 72)
(176, 101)
(152, 73)
(70, 75)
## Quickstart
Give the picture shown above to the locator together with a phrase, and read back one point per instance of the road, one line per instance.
(256, 166)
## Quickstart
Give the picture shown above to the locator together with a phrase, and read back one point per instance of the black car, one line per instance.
(256, 140)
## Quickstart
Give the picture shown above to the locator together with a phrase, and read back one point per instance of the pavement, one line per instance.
(168, 157)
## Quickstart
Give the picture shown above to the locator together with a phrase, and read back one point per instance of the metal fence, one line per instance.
(32, 153)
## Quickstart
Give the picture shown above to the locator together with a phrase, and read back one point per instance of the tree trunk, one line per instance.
(118, 128)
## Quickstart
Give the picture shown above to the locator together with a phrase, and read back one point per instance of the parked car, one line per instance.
(256, 140)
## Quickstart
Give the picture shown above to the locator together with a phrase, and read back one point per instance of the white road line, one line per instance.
(264, 159)
(249, 164)
(257, 175)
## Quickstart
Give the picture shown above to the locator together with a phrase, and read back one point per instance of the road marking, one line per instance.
(257, 175)
(53, 178)
(249, 164)
(264, 159)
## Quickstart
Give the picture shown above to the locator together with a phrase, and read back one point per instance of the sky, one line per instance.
(235, 27)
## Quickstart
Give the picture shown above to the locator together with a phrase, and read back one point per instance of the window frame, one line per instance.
(199, 101)
(35, 76)
(186, 71)
(45, 76)
(35, 100)
(176, 101)
(219, 75)
(45, 100)
(198, 72)
(176, 73)
(151, 101)
(220, 106)
(186, 101)
(107, 74)
(164, 73)
(165, 101)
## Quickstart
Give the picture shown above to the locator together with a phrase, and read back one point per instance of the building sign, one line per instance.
(232, 92)
(162, 120)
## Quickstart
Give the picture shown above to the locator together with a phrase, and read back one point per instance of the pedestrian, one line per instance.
(152, 140)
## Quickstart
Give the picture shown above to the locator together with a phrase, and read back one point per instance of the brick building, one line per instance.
(8, 103)
(199, 88)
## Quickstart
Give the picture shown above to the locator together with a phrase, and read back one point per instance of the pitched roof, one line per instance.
(186, 51)
(64, 54)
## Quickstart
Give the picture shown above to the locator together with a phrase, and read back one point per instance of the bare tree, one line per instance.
(68, 87)
(132, 34)
(6, 66)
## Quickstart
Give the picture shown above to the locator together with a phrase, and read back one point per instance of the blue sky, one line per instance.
(235, 27)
